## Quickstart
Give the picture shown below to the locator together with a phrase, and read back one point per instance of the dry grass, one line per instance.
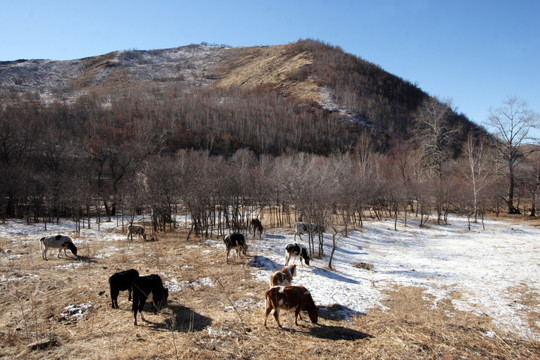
(223, 321)
(273, 66)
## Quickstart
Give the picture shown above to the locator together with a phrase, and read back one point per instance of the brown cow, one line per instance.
(283, 276)
(256, 225)
(289, 297)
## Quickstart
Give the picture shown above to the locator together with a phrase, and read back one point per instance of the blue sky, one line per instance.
(475, 53)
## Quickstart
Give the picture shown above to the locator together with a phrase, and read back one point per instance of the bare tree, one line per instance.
(513, 123)
(435, 135)
(479, 169)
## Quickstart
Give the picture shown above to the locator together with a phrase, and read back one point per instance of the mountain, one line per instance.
(305, 96)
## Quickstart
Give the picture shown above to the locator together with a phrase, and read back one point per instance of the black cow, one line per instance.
(121, 281)
(296, 250)
(235, 241)
(148, 288)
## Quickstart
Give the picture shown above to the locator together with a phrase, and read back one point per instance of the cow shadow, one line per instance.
(185, 320)
(264, 263)
(334, 275)
(87, 259)
(331, 332)
(273, 236)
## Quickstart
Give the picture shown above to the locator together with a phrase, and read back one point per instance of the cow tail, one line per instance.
(41, 244)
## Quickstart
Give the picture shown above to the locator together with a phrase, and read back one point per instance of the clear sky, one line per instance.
(475, 53)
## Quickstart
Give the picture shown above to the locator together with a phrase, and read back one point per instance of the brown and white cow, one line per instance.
(290, 297)
(283, 276)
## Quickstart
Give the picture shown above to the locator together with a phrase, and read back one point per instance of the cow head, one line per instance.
(305, 256)
(313, 313)
(71, 247)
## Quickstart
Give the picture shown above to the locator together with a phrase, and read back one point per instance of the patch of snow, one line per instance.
(483, 266)
(75, 312)
(70, 266)
(174, 286)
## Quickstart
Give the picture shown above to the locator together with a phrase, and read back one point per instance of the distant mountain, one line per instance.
(316, 82)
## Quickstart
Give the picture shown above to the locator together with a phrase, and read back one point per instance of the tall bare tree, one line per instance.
(435, 136)
(513, 123)
(479, 169)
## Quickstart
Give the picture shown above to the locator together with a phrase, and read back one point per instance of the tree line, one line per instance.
(224, 155)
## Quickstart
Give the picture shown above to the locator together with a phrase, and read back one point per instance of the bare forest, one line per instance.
(371, 144)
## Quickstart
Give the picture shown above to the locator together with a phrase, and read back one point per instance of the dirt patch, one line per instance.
(274, 66)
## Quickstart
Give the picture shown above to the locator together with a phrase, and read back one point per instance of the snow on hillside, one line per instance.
(191, 65)
(484, 266)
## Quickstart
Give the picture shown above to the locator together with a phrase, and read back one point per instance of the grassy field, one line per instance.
(220, 317)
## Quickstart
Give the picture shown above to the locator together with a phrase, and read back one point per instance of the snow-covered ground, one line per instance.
(484, 266)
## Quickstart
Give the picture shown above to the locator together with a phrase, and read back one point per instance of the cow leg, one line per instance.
(129, 294)
(228, 250)
(135, 306)
(287, 258)
(138, 305)
(59, 250)
(268, 310)
(276, 316)
(142, 316)
(298, 313)
(44, 253)
(114, 298)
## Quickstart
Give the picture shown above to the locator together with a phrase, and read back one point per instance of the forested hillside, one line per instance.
(302, 126)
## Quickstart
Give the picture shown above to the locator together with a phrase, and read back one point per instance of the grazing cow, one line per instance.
(148, 288)
(306, 228)
(137, 230)
(296, 250)
(283, 276)
(57, 242)
(237, 242)
(121, 281)
(256, 225)
(290, 297)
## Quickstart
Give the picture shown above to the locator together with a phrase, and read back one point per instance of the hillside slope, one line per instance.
(345, 92)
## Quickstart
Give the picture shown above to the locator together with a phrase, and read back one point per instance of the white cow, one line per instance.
(306, 228)
(57, 242)
(136, 229)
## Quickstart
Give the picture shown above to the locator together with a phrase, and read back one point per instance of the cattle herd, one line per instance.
(149, 288)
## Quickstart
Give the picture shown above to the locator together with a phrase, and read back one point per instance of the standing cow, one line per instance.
(121, 281)
(57, 242)
(290, 297)
(137, 230)
(235, 241)
(306, 228)
(296, 251)
(148, 288)
(256, 225)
